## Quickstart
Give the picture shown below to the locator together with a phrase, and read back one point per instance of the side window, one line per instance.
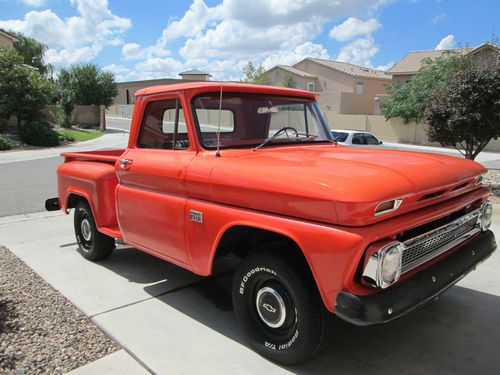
(371, 140)
(164, 126)
(357, 139)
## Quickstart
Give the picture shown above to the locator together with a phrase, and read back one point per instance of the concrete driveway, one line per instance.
(172, 322)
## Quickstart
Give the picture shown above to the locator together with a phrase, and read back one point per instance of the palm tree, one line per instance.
(32, 52)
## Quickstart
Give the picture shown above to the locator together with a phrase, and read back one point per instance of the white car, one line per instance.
(355, 138)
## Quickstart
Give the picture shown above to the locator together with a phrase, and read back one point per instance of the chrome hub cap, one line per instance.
(271, 307)
(86, 231)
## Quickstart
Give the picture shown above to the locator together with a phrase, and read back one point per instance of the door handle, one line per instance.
(125, 163)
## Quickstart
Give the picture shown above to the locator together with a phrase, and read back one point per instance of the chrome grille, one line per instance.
(423, 248)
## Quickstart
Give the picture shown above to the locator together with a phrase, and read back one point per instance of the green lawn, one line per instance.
(79, 135)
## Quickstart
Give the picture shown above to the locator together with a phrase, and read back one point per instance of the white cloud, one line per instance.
(73, 39)
(446, 43)
(353, 27)
(302, 51)
(385, 67)
(33, 3)
(359, 52)
(223, 38)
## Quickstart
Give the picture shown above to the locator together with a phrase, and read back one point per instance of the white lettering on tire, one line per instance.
(251, 273)
(284, 346)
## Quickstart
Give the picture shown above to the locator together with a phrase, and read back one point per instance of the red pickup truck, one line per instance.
(219, 169)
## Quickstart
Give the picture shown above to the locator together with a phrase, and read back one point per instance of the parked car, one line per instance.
(225, 169)
(355, 138)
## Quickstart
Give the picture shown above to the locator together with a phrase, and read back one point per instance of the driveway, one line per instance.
(173, 322)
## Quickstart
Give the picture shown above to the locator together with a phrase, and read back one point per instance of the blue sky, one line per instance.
(158, 39)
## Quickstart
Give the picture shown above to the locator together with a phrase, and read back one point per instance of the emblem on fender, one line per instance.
(196, 216)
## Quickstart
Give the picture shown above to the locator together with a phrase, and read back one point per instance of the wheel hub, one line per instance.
(271, 307)
(86, 230)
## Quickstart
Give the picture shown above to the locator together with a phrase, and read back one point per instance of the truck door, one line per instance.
(151, 195)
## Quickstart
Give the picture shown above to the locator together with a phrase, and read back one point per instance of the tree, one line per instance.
(254, 74)
(288, 81)
(409, 100)
(32, 53)
(465, 113)
(90, 85)
(24, 91)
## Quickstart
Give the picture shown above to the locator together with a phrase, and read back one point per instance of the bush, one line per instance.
(39, 133)
(65, 136)
(4, 143)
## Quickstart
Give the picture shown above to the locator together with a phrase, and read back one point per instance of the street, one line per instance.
(28, 178)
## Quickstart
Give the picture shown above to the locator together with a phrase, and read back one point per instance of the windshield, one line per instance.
(248, 120)
(339, 136)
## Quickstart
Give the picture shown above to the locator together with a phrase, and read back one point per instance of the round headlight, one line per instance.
(486, 216)
(390, 265)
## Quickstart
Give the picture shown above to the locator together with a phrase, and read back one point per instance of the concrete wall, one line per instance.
(84, 114)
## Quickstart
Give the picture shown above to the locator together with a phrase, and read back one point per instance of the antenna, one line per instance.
(217, 153)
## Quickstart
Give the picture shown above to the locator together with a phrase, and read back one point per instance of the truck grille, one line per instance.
(423, 248)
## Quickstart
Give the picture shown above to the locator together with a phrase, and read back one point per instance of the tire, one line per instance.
(92, 244)
(264, 285)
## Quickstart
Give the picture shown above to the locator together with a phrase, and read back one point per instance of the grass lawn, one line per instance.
(79, 135)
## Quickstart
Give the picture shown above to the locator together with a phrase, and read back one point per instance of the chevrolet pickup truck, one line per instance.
(320, 230)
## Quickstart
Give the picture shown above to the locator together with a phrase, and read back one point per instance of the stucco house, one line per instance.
(410, 65)
(7, 39)
(344, 88)
(126, 90)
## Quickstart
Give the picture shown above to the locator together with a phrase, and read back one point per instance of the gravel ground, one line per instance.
(492, 180)
(41, 332)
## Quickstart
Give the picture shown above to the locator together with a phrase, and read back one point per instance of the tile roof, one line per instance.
(296, 71)
(9, 35)
(353, 70)
(194, 72)
(412, 62)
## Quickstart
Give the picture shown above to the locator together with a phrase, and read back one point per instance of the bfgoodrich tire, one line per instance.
(92, 244)
(278, 306)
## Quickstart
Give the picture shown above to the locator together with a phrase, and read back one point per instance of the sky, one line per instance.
(160, 38)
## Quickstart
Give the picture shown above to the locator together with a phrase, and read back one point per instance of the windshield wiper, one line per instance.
(282, 130)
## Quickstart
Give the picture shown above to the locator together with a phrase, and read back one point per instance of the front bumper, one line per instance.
(415, 291)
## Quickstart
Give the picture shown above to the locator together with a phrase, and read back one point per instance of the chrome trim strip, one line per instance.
(396, 204)
(437, 232)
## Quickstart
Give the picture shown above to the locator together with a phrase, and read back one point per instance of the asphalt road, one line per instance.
(24, 186)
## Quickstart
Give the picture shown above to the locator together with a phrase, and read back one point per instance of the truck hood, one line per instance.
(337, 184)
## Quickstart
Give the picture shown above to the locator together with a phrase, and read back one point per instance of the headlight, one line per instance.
(383, 267)
(485, 216)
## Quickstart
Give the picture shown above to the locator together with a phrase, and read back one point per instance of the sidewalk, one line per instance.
(114, 138)
(169, 321)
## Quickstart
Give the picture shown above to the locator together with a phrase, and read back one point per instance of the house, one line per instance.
(195, 75)
(126, 90)
(343, 88)
(7, 39)
(410, 65)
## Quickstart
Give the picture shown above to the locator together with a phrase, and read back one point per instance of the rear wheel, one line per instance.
(279, 308)
(92, 244)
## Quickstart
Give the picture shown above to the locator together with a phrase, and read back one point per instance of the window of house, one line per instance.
(360, 88)
(163, 126)
(310, 86)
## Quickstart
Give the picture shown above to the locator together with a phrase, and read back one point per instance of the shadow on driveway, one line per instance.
(457, 334)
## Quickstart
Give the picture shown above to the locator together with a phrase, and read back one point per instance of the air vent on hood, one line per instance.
(431, 195)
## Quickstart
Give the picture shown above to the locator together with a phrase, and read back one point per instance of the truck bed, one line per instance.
(108, 156)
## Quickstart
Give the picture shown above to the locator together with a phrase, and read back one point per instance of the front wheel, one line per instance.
(92, 244)
(279, 308)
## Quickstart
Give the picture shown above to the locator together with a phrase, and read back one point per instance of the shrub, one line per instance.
(4, 143)
(39, 133)
(65, 136)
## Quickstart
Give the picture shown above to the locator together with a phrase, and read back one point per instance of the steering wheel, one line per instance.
(285, 130)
